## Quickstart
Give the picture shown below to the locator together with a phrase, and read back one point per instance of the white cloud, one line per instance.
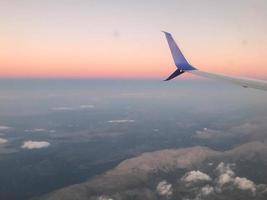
(224, 179)
(226, 174)
(73, 108)
(195, 176)
(63, 108)
(245, 184)
(35, 144)
(4, 128)
(206, 190)
(104, 198)
(225, 168)
(39, 130)
(121, 121)
(3, 141)
(86, 106)
(164, 188)
(35, 130)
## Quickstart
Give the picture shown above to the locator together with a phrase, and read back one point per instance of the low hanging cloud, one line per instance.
(164, 188)
(40, 130)
(104, 198)
(35, 144)
(73, 108)
(4, 128)
(86, 106)
(207, 133)
(35, 130)
(63, 108)
(3, 141)
(195, 176)
(121, 121)
(206, 190)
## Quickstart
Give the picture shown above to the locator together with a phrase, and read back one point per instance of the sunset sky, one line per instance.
(123, 38)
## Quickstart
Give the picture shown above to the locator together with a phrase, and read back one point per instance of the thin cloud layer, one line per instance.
(35, 144)
(121, 121)
(73, 108)
(35, 130)
(62, 108)
(86, 106)
(253, 129)
(4, 128)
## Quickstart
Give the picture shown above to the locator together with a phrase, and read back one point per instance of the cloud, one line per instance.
(35, 144)
(207, 133)
(217, 186)
(73, 108)
(245, 184)
(121, 121)
(39, 130)
(164, 188)
(206, 190)
(253, 129)
(4, 128)
(227, 176)
(35, 130)
(224, 179)
(104, 198)
(87, 106)
(3, 141)
(63, 108)
(195, 176)
(225, 168)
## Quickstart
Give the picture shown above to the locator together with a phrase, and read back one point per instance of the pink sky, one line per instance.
(100, 39)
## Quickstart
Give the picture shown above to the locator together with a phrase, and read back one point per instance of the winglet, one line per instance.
(179, 59)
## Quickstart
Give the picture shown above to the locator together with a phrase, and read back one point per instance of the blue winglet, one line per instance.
(179, 59)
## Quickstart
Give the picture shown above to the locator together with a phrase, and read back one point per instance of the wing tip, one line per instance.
(166, 33)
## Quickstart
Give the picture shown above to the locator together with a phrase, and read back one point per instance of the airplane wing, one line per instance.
(183, 66)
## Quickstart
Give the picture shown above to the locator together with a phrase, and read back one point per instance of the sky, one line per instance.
(123, 39)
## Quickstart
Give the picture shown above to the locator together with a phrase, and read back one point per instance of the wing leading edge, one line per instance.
(183, 66)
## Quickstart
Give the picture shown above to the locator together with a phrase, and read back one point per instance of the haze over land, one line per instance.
(57, 133)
